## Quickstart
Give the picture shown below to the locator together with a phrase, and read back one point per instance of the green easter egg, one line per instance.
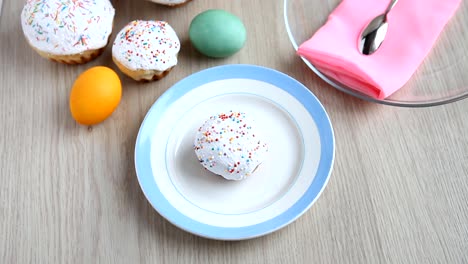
(217, 33)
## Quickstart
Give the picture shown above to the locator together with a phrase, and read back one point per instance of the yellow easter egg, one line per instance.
(95, 95)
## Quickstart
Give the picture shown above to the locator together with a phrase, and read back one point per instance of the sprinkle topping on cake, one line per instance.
(67, 27)
(148, 45)
(228, 145)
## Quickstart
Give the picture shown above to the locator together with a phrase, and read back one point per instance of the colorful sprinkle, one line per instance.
(155, 44)
(67, 26)
(234, 157)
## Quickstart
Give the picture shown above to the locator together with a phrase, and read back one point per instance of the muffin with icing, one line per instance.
(146, 50)
(68, 31)
(171, 3)
(228, 145)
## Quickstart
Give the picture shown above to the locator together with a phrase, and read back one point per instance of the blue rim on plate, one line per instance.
(276, 78)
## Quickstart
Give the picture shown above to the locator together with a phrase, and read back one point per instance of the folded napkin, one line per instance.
(414, 26)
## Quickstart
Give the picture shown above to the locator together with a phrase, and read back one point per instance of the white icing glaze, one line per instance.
(227, 145)
(67, 27)
(169, 2)
(148, 45)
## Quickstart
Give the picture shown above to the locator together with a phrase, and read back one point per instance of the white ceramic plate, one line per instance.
(297, 168)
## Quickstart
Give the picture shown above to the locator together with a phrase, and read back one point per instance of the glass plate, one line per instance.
(442, 77)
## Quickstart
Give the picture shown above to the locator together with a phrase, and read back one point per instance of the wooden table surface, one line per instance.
(69, 194)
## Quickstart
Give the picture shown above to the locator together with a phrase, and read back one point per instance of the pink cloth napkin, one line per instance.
(414, 26)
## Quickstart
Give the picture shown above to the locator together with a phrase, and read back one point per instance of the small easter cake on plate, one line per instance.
(228, 145)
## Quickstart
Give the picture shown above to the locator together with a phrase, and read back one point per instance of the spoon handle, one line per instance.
(390, 6)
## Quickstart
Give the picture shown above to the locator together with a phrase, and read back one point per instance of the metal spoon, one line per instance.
(374, 34)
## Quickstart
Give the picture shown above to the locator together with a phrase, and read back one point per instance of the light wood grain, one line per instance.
(69, 194)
